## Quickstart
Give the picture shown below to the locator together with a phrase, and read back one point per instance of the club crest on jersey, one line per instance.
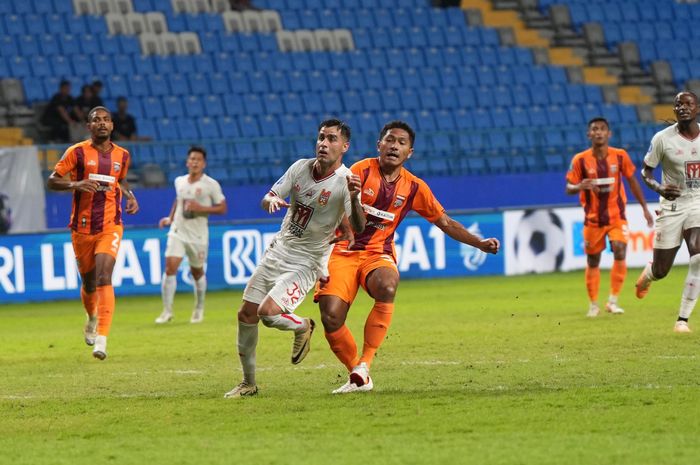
(116, 166)
(198, 192)
(399, 201)
(613, 169)
(323, 198)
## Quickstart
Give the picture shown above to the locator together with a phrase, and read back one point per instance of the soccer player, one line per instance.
(197, 197)
(677, 150)
(98, 170)
(389, 192)
(322, 191)
(596, 175)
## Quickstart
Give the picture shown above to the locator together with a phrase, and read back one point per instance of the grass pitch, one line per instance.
(475, 371)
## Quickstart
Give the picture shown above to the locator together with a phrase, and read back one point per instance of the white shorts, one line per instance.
(196, 253)
(670, 225)
(286, 283)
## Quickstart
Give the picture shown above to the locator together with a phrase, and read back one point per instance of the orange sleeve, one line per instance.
(573, 176)
(627, 167)
(426, 204)
(67, 163)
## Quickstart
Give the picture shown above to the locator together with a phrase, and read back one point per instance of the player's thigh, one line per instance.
(668, 230)
(108, 242)
(84, 249)
(174, 247)
(343, 274)
(379, 276)
(196, 254)
(262, 280)
(593, 239)
(292, 286)
(618, 235)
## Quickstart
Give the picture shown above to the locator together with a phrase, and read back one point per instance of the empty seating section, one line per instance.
(479, 107)
(662, 29)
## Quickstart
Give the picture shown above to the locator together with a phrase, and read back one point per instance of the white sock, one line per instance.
(648, 275)
(691, 288)
(200, 289)
(283, 322)
(247, 342)
(612, 299)
(167, 290)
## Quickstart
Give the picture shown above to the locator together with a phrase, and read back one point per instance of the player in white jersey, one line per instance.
(321, 191)
(197, 197)
(677, 150)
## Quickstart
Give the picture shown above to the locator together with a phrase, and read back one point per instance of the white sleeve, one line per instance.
(217, 195)
(656, 151)
(283, 186)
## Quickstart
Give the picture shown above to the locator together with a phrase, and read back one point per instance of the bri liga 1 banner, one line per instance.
(39, 267)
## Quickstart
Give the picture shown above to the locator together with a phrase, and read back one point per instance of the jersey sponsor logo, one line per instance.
(323, 198)
(101, 177)
(297, 187)
(116, 166)
(376, 225)
(301, 215)
(378, 213)
(400, 199)
(692, 174)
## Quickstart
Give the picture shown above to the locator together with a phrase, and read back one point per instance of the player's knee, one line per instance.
(659, 271)
(267, 320)
(89, 287)
(104, 280)
(331, 321)
(385, 292)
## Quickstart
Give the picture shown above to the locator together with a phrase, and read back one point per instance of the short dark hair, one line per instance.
(121, 98)
(692, 94)
(92, 112)
(598, 119)
(64, 82)
(398, 124)
(197, 148)
(336, 123)
(97, 83)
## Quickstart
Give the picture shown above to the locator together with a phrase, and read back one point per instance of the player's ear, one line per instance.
(410, 153)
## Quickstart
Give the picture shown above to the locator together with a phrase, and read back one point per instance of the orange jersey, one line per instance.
(386, 204)
(607, 206)
(100, 211)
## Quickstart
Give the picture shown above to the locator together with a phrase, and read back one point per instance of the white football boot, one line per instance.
(100, 349)
(164, 317)
(90, 330)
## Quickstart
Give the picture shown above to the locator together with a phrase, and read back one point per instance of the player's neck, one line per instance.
(390, 174)
(689, 129)
(194, 177)
(321, 170)
(600, 151)
(102, 145)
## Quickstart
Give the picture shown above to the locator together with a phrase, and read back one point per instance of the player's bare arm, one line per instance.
(459, 233)
(57, 183)
(196, 207)
(667, 191)
(587, 184)
(637, 192)
(344, 233)
(167, 220)
(357, 215)
(272, 203)
(132, 206)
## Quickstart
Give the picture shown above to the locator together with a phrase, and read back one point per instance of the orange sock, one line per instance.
(89, 301)
(617, 276)
(376, 327)
(343, 346)
(105, 309)
(592, 282)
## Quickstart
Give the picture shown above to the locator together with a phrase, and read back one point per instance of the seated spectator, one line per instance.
(85, 102)
(240, 5)
(58, 114)
(96, 91)
(124, 123)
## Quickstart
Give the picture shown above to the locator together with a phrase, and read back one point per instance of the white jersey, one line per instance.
(188, 226)
(316, 209)
(680, 163)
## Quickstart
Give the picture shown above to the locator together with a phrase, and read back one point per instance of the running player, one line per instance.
(677, 150)
(596, 175)
(98, 170)
(197, 197)
(389, 192)
(321, 192)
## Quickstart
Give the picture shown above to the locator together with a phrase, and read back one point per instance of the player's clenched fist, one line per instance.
(354, 185)
(490, 245)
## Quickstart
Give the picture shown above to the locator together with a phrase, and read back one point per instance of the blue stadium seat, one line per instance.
(138, 86)
(60, 66)
(178, 84)
(164, 65)
(167, 129)
(219, 83)
(194, 107)
(249, 126)
(199, 84)
(173, 107)
(186, 130)
(152, 107)
(159, 86)
(391, 100)
(371, 100)
(292, 103)
(143, 64)
(228, 127)
(273, 104)
(289, 125)
(207, 128)
(115, 86)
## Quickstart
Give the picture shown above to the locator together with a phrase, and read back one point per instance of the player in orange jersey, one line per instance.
(389, 192)
(97, 169)
(596, 175)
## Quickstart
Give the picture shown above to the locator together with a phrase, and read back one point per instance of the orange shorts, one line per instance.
(594, 236)
(86, 246)
(348, 270)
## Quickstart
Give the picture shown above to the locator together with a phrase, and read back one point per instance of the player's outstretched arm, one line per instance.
(639, 195)
(459, 233)
(272, 203)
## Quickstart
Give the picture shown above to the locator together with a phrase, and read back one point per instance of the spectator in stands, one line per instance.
(596, 176)
(676, 149)
(240, 5)
(125, 123)
(58, 114)
(96, 91)
(84, 103)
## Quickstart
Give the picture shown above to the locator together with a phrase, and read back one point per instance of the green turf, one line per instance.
(476, 371)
